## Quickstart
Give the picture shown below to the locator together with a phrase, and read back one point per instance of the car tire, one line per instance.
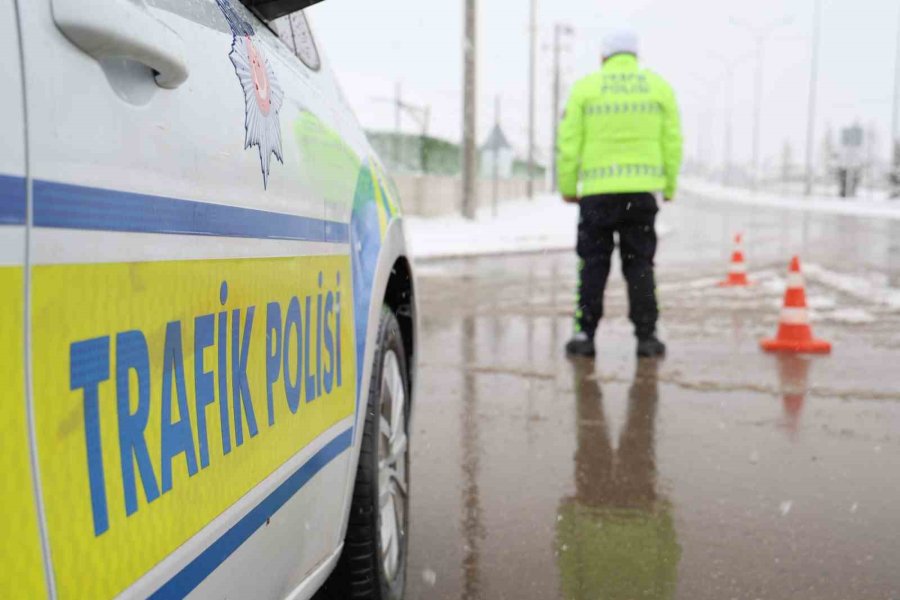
(372, 565)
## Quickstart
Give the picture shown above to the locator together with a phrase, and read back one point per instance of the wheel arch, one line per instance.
(400, 297)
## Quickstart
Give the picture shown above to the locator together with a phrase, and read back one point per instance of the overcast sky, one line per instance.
(373, 44)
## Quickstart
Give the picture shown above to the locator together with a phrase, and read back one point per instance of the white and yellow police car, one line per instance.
(207, 314)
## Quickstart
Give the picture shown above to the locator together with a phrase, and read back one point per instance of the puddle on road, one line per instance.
(722, 473)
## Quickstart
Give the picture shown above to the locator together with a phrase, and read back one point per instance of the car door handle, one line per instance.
(124, 29)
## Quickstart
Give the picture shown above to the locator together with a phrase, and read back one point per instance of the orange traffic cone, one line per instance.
(794, 333)
(737, 271)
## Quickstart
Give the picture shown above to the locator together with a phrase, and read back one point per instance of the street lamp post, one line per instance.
(760, 35)
(729, 131)
(811, 109)
(704, 117)
(895, 119)
(729, 65)
(757, 112)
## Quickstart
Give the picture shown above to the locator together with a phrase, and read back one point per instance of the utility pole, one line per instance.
(398, 108)
(558, 31)
(813, 85)
(469, 151)
(532, 68)
(760, 35)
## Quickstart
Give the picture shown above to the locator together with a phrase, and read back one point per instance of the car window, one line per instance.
(293, 30)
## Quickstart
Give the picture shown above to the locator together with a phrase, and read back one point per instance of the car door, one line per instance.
(22, 575)
(191, 313)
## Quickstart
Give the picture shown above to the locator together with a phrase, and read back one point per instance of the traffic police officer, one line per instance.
(620, 142)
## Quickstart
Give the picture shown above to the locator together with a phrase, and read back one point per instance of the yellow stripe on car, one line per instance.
(165, 391)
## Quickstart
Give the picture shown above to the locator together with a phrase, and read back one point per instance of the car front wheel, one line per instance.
(373, 562)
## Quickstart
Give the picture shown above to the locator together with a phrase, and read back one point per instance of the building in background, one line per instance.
(415, 154)
(410, 153)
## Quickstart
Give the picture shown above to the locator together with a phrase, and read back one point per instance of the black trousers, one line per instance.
(632, 216)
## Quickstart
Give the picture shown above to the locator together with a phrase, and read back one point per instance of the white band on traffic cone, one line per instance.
(794, 316)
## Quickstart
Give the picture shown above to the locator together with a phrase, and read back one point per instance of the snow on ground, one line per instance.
(831, 296)
(852, 316)
(889, 209)
(543, 224)
(873, 288)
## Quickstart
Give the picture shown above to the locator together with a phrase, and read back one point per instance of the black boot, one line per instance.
(580, 345)
(650, 347)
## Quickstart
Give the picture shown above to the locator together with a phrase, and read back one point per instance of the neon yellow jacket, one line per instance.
(620, 133)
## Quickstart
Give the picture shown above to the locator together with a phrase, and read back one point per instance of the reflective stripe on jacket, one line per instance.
(620, 133)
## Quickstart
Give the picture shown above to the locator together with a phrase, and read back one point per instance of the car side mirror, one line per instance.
(269, 10)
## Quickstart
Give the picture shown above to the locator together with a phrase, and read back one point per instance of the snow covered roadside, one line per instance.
(543, 224)
(872, 288)
(886, 209)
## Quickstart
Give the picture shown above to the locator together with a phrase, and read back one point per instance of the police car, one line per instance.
(207, 314)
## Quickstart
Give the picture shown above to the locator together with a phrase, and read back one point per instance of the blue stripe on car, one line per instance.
(63, 205)
(12, 200)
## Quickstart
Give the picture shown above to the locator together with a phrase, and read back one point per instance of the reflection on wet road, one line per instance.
(720, 472)
(615, 536)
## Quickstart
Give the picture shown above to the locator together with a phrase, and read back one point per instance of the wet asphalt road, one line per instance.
(718, 473)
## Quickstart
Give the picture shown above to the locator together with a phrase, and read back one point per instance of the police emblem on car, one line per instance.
(263, 95)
